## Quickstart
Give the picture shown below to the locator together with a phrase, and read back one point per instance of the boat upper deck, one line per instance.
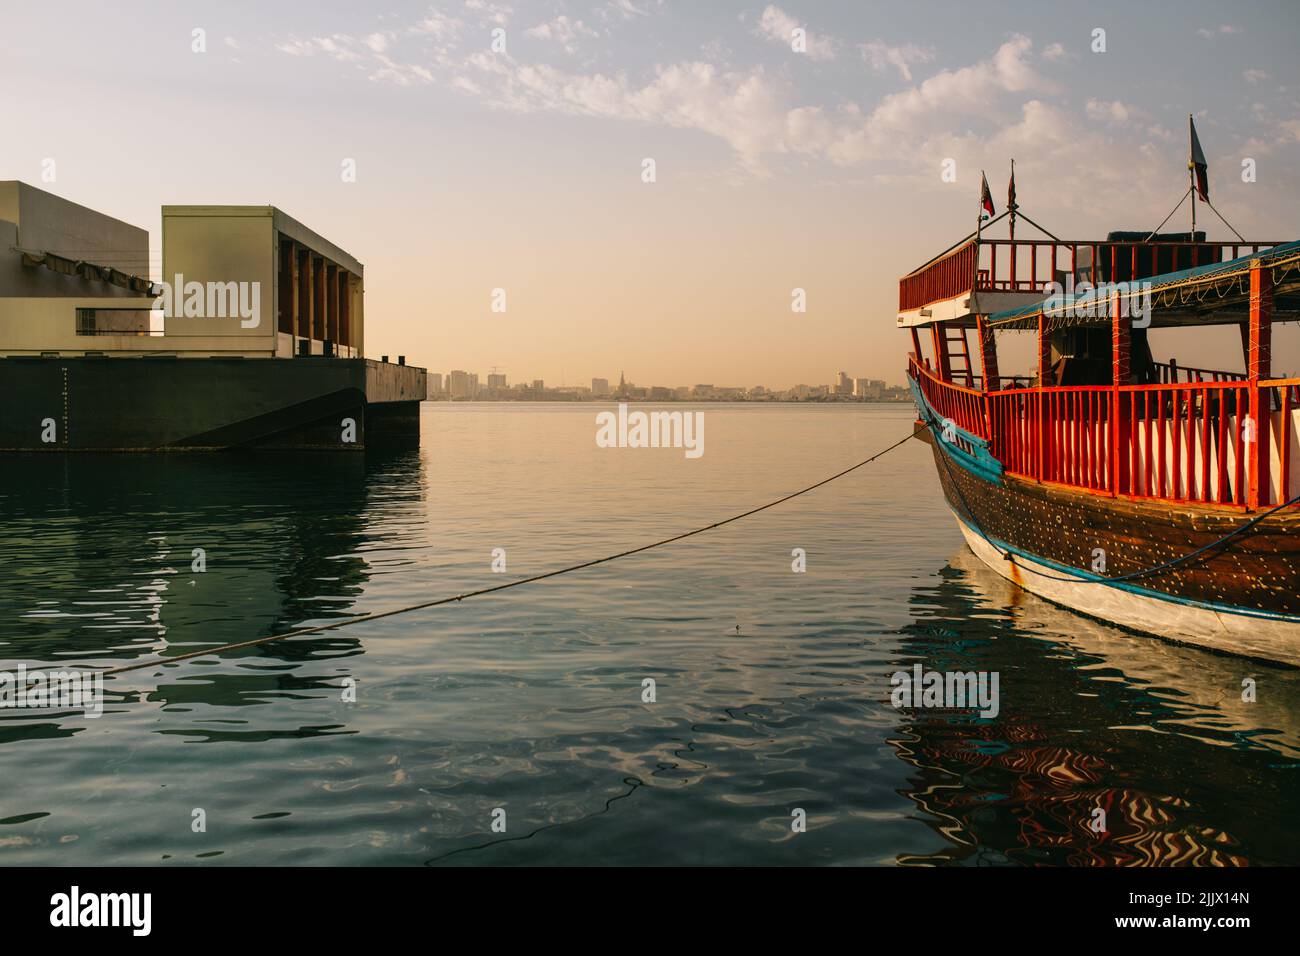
(1100, 413)
(984, 276)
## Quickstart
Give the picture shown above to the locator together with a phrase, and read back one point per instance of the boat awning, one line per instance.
(1211, 294)
(86, 270)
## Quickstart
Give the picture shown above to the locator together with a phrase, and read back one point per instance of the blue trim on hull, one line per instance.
(979, 461)
(1087, 577)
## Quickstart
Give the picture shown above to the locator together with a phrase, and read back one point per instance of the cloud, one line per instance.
(564, 31)
(1209, 33)
(339, 46)
(1114, 112)
(963, 93)
(1056, 52)
(746, 108)
(1254, 77)
(628, 9)
(778, 26)
(881, 56)
(982, 113)
(488, 12)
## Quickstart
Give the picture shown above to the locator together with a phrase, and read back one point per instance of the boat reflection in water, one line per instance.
(1080, 704)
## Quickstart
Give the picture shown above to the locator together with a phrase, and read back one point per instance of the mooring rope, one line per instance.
(1008, 555)
(378, 615)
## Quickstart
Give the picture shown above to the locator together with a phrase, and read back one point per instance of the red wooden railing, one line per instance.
(1026, 265)
(943, 278)
(1170, 373)
(964, 406)
(1177, 442)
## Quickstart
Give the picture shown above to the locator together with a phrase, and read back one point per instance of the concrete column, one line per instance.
(305, 290)
(284, 290)
(345, 308)
(318, 296)
(294, 291)
(332, 303)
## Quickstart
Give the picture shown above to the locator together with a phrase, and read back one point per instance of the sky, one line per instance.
(523, 167)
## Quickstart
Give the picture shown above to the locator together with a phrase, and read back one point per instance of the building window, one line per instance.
(119, 322)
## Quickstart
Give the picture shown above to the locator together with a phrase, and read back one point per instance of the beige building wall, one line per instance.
(45, 222)
(38, 306)
(237, 255)
(221, 244)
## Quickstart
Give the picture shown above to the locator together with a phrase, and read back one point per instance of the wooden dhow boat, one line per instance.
(1151, 494)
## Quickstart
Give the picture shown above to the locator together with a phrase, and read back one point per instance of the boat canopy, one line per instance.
(1213, 294)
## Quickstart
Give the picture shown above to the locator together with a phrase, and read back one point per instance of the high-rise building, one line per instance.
(496, 381)
(462, 385)
(599, 387)
(843, 385)
(435, 384)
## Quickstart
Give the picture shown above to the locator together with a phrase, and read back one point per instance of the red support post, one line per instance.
(1044, 370)
(988, 347)
(1121, 344)
(941, 362)
(1259, 355)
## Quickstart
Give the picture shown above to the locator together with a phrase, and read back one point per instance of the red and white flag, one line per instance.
(986, 197)
(1196, 161)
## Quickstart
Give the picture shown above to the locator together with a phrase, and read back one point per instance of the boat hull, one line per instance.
(1243, 598)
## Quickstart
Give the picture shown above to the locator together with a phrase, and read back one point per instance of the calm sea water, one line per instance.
(772, 687)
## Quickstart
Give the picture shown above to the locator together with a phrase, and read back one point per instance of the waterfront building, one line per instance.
(237, 283)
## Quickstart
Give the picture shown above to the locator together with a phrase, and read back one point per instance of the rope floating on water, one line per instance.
(378, 615)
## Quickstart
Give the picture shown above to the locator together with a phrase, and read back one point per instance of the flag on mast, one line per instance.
(1196, 162)
(986, 197)
(1011, 187)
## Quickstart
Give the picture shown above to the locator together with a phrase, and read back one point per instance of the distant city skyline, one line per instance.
(459, 384)
(659, 179)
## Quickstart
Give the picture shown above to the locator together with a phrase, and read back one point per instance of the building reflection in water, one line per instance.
(99, 562)
(1154, 734)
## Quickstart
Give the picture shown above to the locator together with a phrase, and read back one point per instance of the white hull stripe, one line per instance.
(1234, 630)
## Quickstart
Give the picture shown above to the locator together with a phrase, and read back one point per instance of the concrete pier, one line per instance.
(91, 403)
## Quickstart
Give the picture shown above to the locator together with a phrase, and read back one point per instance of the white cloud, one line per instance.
(438, 25)
(778, 26)
(564, 31)
(982, 113)
(1111, 111)
(1055, 52)
(1254, 76)
(881, 56)
(339, 46)
(1209, 33)
(966, 92)
(627, 9)
(488, 12)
